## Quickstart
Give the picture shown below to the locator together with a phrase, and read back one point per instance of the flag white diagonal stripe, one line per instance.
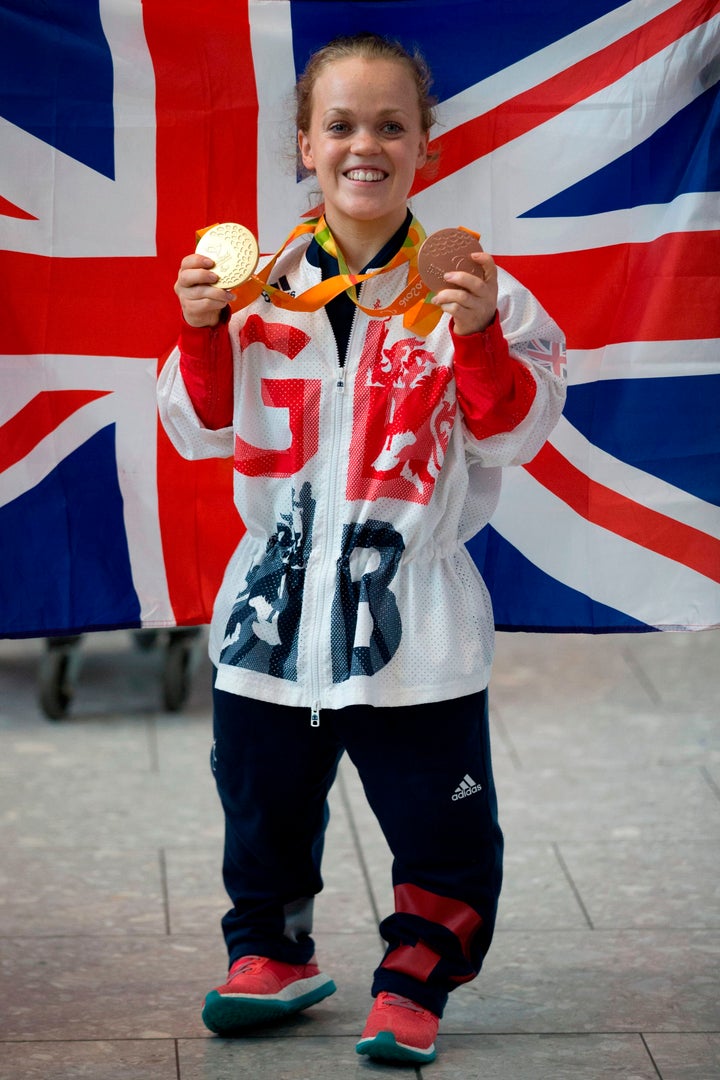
(130, 407)
(584, 137)
(83, 214)
(632, 483)
(602, 565)
(643, 360)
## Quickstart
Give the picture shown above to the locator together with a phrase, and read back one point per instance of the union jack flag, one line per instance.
(580, 140)
(550, 354)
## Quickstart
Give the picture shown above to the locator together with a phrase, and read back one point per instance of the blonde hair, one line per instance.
(365, 46)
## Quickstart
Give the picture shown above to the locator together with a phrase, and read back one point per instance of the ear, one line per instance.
(423, 150)
(306, 151)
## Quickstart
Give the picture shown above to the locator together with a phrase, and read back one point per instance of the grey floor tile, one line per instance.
(536, 894)
(106, 988)
(681, 669)
(604, 803)
(345, 904)
(146, 988)
(593, 981)
(686, 1057)
(316, 1058)
(625, 699)
(94, 779)
(711, 775)
(78, 805)
(375, 856)
(102, 1060)
(541, 676)
(196, 897)
(72, 891)
(34, 746)
(647, 736)
(184, 742)
(657, 882)
(541, 1057)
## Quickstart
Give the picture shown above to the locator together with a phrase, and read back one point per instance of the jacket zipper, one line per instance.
(321, 604)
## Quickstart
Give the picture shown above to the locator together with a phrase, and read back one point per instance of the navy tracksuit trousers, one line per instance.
(427, 775)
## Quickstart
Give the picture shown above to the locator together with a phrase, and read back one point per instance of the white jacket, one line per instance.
(358, 487)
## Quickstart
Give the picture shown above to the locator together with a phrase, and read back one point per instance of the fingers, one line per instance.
(470, 299)
(195, 287)
(467, 291)
(195, 270)
(473, 282)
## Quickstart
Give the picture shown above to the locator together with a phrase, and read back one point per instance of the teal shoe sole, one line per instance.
(224, 1014)
(385, 1047)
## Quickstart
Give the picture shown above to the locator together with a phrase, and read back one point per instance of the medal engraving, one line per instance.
(446, 250)
(234, 250)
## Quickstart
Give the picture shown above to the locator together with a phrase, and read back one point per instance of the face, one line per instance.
(365, 141)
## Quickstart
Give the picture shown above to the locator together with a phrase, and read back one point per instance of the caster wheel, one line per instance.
(176, 679)
(58, 673)
(145, 640)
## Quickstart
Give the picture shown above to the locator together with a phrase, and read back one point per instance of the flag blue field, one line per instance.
(580, 140)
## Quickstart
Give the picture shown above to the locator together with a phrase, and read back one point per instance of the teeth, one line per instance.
(364, 174)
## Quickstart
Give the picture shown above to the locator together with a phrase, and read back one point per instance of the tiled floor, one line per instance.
(605, 962)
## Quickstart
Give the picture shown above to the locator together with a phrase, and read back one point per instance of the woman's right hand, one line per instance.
(199, 298)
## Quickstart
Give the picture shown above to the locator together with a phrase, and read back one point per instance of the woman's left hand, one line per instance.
(471, 300)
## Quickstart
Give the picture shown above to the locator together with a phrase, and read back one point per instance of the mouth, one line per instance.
(366, 176)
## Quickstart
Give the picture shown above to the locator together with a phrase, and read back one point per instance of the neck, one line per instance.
(360, 241)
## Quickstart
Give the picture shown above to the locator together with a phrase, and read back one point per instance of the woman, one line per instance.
(368, 438)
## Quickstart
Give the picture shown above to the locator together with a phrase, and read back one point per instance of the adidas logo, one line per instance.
(467, 786)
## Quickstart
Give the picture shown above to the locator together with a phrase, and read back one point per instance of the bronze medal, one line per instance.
(446, 250)
(234, 250)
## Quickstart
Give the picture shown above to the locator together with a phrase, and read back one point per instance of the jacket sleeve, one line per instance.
(495, 391)
(195, 393)
(507, 419)
(206, 370)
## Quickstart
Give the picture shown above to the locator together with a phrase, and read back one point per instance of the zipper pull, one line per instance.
(315, 715)
(340, 384)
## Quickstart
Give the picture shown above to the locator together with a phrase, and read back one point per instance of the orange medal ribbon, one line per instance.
(420, 315)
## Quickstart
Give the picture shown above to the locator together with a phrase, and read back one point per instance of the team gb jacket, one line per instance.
(359, 485)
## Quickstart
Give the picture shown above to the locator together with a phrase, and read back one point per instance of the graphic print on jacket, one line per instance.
(403, 417)
(262, 631)
(366, 626)
(300, 397)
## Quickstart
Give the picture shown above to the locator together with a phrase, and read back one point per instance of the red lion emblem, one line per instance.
(402, 420)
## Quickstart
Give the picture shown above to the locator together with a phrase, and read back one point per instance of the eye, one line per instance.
(392, 127)
(338, 127)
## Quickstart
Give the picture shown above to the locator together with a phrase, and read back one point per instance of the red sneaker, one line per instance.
(260, 989)
(399, 1029)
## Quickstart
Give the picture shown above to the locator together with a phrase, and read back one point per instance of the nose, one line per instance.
(365, 142)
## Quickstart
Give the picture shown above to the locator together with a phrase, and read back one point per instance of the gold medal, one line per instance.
(234, 250)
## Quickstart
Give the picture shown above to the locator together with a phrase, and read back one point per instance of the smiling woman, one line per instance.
(364, 154)
(350, 617)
